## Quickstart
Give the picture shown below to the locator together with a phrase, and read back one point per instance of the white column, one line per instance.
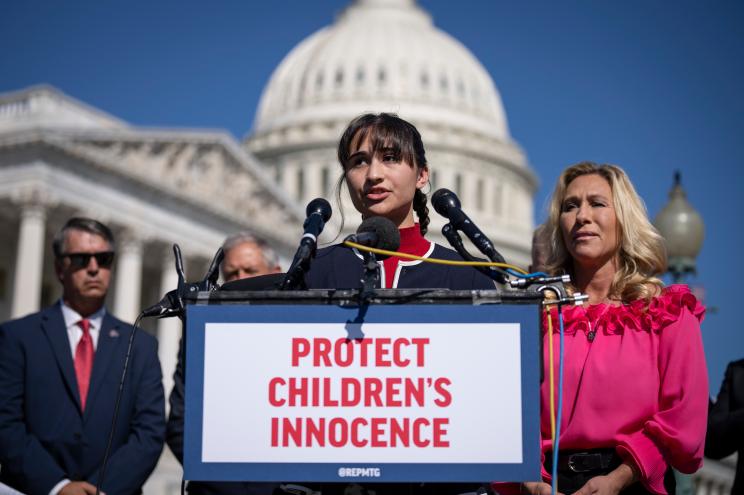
(169, 329)
(128, 279)
(29, 261)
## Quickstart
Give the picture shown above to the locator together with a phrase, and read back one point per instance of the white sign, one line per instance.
(406, 392)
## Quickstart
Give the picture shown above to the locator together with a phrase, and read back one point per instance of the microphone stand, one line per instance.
(370, 278)
(295, 278)
(453, 237)
(318, 212)
(175, 301)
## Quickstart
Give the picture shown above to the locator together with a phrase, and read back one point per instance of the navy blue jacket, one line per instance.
(44, 436)
(340, 267)
(726, 422)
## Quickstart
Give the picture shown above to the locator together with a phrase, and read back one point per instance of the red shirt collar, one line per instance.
(411, 242)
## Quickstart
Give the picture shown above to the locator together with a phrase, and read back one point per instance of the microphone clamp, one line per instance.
(521, 283)
(172, 303)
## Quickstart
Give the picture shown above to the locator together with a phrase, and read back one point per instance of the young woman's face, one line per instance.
(588, 221)
(383, 184)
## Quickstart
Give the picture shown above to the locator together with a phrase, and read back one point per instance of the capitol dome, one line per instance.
(387, 56)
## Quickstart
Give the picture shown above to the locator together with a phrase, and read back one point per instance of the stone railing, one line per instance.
(715, 477)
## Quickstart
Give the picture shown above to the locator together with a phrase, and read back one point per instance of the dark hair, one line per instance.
(86, 225)
(387, 130)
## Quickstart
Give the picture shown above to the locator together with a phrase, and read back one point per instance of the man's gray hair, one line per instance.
(86, 225)
(268, 253)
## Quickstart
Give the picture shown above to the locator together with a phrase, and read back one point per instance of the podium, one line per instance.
(398, 386)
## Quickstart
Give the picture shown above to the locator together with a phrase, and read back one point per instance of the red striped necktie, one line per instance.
(84, 361)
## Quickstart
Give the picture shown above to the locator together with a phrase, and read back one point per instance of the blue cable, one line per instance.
(556, 441)
(515, 273)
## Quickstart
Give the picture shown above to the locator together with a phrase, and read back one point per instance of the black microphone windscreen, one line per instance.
(319, 206)
(444, 199)
(388, 235)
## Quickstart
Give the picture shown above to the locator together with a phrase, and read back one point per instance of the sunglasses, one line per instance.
(104, 259)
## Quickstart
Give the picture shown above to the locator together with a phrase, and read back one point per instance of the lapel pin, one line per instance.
(113, 333)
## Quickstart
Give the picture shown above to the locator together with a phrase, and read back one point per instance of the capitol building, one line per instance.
(60, 157)
(405, 65)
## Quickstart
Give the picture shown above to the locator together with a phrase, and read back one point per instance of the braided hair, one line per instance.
(422, 211)
(387, 130)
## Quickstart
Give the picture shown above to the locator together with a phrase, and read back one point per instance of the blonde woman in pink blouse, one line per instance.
(635, 381)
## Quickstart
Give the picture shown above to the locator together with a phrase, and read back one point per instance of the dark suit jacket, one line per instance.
(44, 436)
(726, 422)
(339, 267)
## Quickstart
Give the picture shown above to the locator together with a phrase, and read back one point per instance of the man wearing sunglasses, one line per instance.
(59, 375)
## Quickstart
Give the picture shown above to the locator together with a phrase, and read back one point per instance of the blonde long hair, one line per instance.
(641, 253)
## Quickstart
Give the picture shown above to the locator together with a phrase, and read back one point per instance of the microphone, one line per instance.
(167, 306)
(318, 212)
(447, 204)
(172, 303)
(377, 232)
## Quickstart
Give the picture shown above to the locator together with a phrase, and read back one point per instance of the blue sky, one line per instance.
(650, 86)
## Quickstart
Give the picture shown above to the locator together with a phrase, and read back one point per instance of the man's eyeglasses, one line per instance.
(104, 259)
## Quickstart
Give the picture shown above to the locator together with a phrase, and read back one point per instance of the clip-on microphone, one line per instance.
(379, 233)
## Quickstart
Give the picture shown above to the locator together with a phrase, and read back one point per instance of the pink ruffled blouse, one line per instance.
(635, 380)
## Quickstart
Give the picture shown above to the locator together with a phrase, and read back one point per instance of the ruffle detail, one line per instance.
(658, 314)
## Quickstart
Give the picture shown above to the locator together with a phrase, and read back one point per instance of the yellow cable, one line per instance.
(433, 260)
(551, 375)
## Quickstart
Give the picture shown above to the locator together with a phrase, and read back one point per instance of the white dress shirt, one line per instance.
(72, 323)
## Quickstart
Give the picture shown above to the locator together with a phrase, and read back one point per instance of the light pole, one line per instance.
(683, 230)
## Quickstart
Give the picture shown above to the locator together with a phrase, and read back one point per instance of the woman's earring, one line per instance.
(428, 184)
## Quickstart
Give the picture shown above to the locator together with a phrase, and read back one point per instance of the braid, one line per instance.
(422, 211)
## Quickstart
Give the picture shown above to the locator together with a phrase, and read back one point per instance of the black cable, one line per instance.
(182, 351)
(102, 472)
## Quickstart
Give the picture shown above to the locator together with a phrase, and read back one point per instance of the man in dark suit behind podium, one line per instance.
(726, 422)
(246, 256)
(59, 375)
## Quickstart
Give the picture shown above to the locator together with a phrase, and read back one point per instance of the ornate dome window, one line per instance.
(460, 88)
(443, 83)
(381, 76)
(498, 195)
(424, 80)
(300, 183)
(301, 92)
(479, 197)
